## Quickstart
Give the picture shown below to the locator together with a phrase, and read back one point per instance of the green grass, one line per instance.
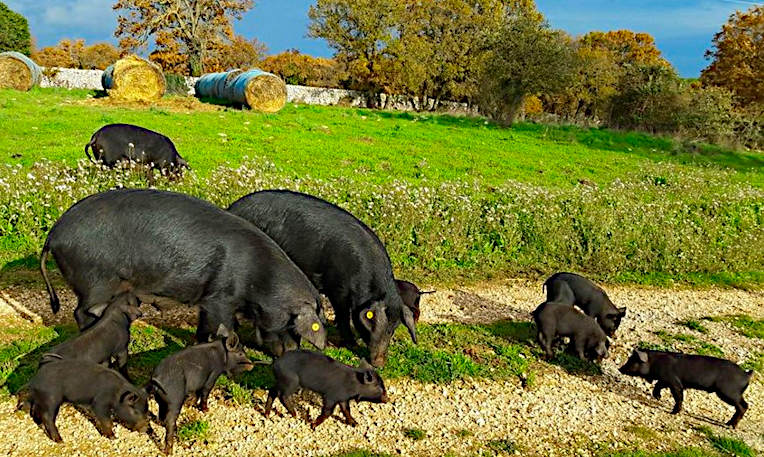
(503, 446)
(685, 343)
(196, 430)
(455, 199)
(748, 326)
(415, 434)
(755, 362)
(726, 445)
(693, 324)
(327, 142)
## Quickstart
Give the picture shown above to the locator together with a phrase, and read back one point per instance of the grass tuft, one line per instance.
(415, 434)
(196, 430)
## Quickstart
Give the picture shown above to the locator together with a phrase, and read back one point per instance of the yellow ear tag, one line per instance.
(315, 326)
(369, 314)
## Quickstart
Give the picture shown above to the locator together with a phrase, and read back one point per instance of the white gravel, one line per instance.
(559, 415)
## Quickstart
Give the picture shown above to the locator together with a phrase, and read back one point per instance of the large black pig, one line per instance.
(161, 245)
(116, 142)
(342, 257)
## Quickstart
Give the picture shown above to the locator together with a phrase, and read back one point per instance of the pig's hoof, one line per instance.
(352, 423)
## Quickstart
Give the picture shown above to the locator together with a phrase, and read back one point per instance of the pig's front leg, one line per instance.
(657, 390)
(678, 394)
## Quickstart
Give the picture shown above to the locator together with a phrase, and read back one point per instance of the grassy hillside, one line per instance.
(453, 198)
(374, 146)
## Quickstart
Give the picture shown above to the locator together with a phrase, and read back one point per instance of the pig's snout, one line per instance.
(384, 398)
(247, 366)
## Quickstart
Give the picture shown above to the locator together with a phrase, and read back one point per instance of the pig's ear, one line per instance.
(365, 376)
(133, 312)
(232, 341)
(364, 365)
(641, 355)
(131, 398)
(409, 322)
(622, 311)
(97, 310)
(222, 331)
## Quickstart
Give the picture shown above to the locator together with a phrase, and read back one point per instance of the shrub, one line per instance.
(304, 70)
(648, 98)
(14, 31)
(176, 84)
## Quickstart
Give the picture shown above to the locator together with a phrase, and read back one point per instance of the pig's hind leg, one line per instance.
(741, 406)
(45, 411)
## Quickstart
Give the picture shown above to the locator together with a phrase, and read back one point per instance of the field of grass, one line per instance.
(453, 198)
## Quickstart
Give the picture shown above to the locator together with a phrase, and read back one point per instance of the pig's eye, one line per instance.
(315, 327)
(369, 315)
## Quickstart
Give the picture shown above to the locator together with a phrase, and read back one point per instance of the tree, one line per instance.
(191, 27)
(737, 62)
(302, 69)
(98, 56)
(236, 53)
(527, 57)
(626, 47)
(14, 31)
(361, 32)
(649, 98)
(593, 85)
(75, 54)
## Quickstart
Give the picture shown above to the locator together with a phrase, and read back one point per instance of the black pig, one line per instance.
(336, 382)
(107, 338)
(115, 142)
(341, 256)
(159, 245)
(102, 390)
(676, 372)
(559, 320)
(573, 289)
(194, 370)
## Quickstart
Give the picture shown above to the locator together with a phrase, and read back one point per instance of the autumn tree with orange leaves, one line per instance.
(626, 47)
(185, 27)
(737, 62)
(75, 54)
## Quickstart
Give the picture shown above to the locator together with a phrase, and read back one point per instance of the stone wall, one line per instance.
(91, 79)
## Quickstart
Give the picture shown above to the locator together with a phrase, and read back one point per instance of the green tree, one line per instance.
(737, 60)
(527, 57)
(649, 98)
(14, 32)
(361, 33)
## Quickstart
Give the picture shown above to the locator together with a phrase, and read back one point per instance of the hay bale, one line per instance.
(18, 71)
(215, 85)
(260, 90)
(134, 79)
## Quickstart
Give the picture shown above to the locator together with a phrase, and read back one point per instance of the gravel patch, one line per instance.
(559, 414)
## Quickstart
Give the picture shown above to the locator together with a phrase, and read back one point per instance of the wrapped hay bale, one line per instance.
(18, 71)
(214, 84)
(259, 90)
(134, 79)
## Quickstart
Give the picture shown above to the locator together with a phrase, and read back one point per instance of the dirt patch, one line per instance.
(173, 104)
(558, 414)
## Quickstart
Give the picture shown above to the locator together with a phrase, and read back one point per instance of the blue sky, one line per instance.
(682, 28)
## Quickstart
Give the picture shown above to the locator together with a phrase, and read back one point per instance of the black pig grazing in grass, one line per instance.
(342, 257)
(107, 338)
(559, 320)
(336, 382)
(676, 372)
(101, 390)
(572, 289)
(159, 245)
(115, 142)
(194, 370)
(410, 294)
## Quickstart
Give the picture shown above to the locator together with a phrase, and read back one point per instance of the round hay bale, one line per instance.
(134, 79)
(17, 71)
(214, 85)
(260, 90)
